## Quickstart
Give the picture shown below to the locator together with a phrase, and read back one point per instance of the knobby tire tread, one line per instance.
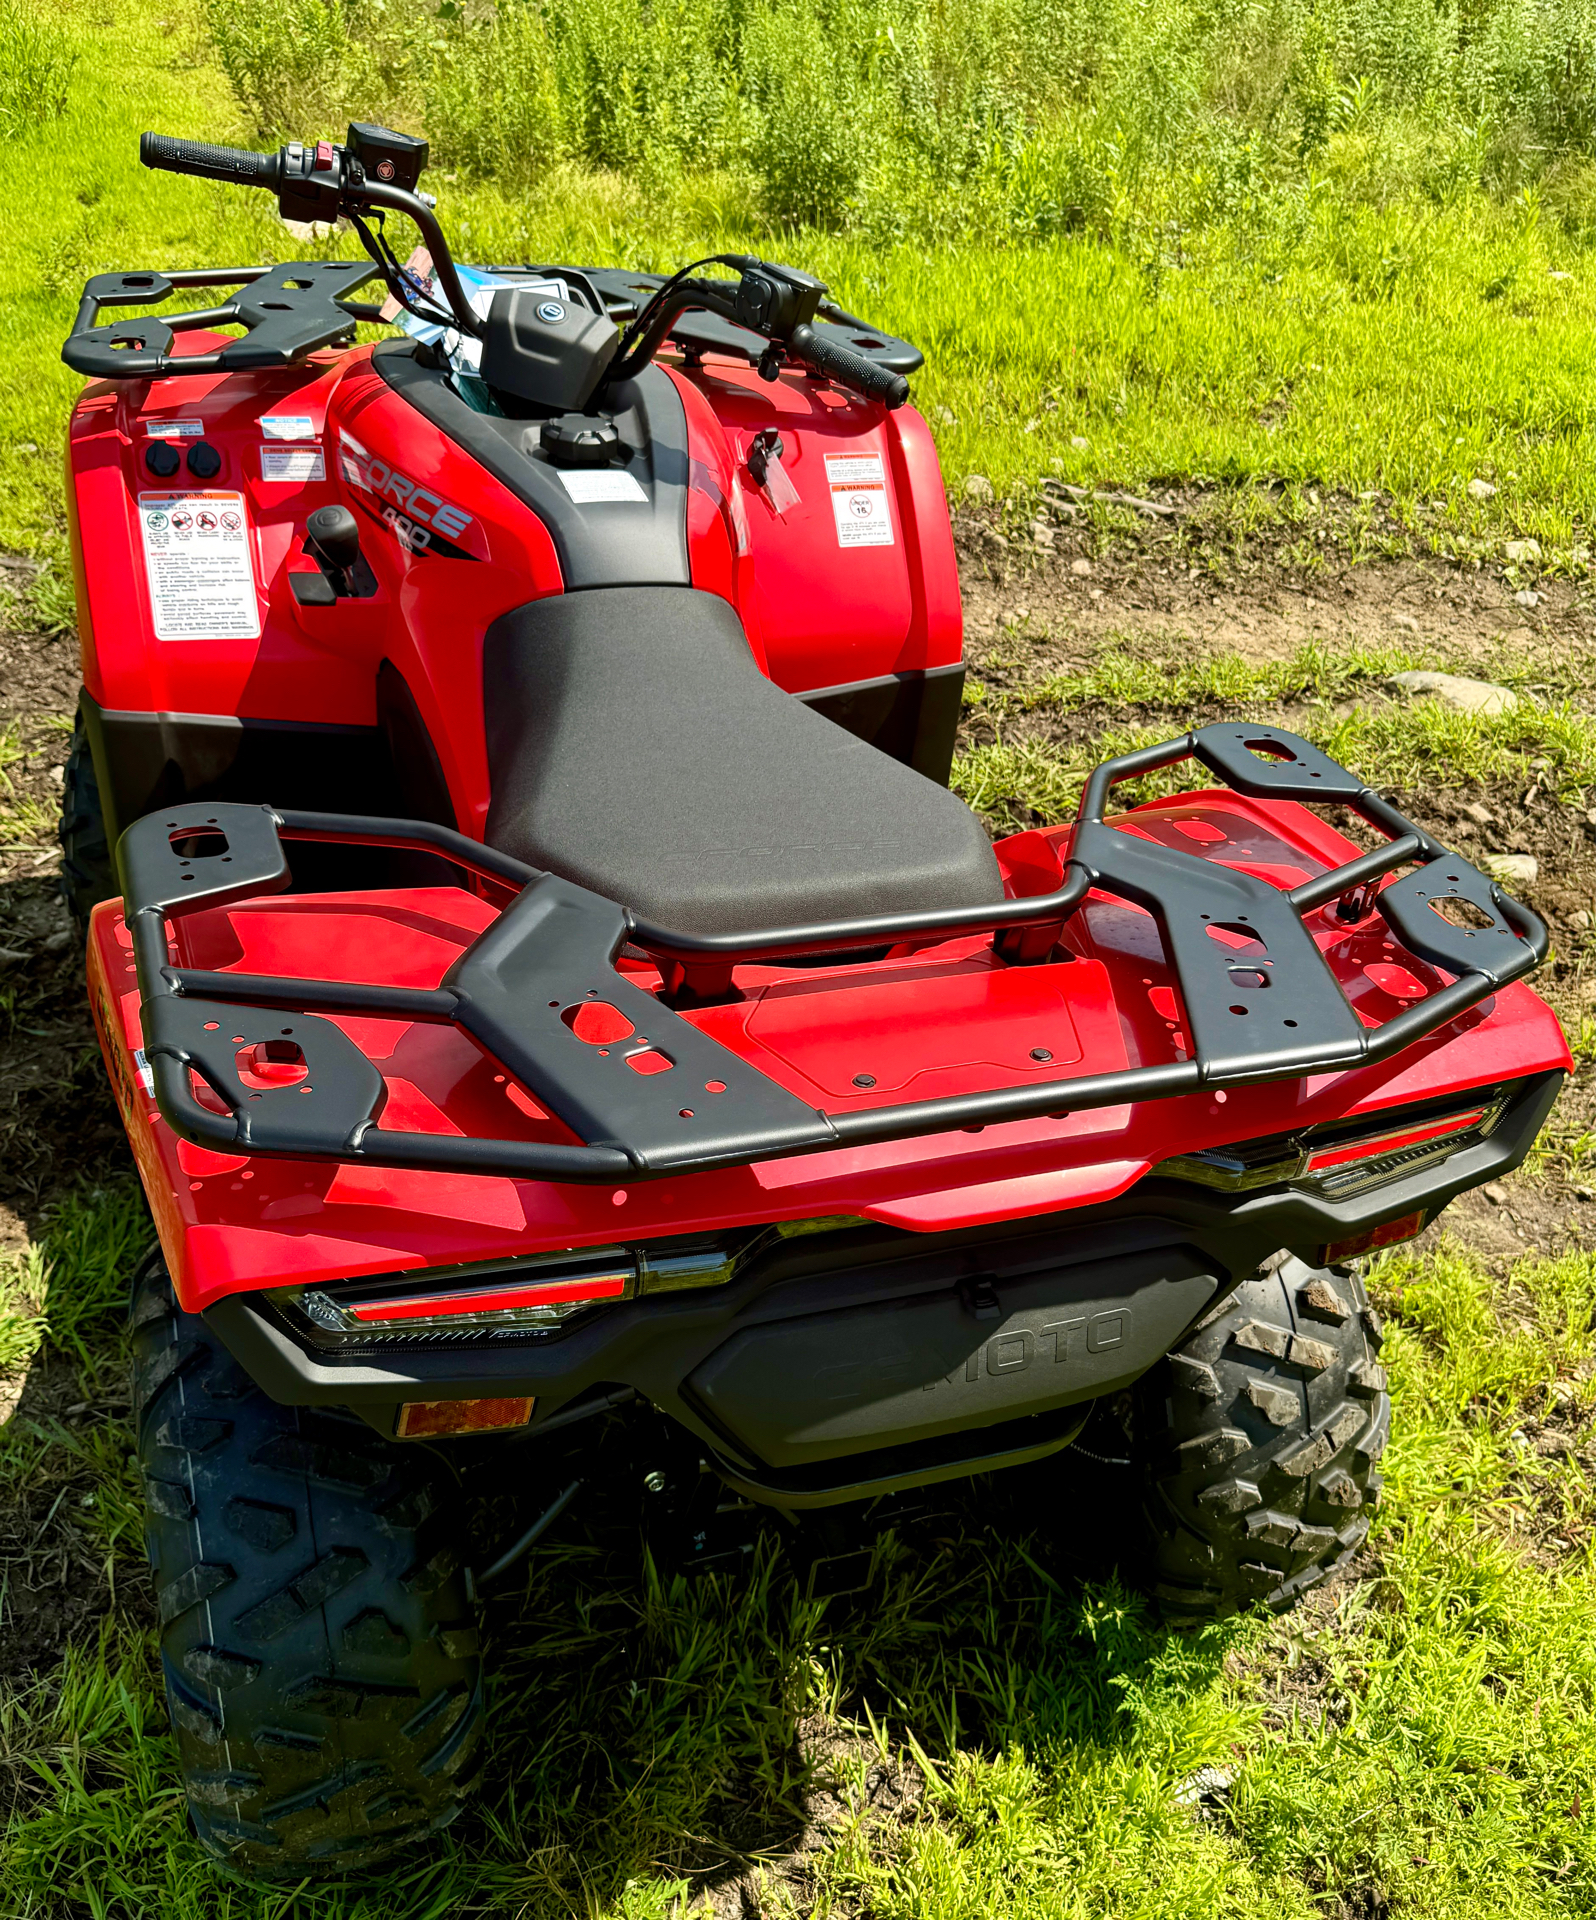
(1261, 1434)
(319, 1650)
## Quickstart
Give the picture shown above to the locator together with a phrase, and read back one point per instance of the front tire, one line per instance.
(88, 874)
(1261, 1433)
(318, 1647)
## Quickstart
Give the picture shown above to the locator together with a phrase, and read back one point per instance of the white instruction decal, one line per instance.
(587, 484)
(145, 1071)
(287, 426)
(292, 463)
(197, 560)
(174, 429)
(858, 483)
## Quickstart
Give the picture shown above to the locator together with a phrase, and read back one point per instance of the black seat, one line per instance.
(636, 748)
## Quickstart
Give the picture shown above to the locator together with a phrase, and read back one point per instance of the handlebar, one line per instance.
(378, 169)
(237, 165)
(847, 368)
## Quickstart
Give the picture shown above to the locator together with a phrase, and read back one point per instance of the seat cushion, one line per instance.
(635, 747)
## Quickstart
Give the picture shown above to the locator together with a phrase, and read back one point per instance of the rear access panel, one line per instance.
(830, 1384)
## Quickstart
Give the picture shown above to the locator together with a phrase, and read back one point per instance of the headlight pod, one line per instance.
(497, 1299)
(1344, 1158)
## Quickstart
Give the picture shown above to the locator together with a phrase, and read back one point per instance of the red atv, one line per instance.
(552, 991)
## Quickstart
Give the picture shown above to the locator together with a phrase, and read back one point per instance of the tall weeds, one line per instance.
(997, 119)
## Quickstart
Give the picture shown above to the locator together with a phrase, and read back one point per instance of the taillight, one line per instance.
(505, 1299)
(1350, 1153)
(1346, 1157)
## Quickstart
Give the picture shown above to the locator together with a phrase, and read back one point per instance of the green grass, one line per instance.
(1036, 1733)
(1415, 744)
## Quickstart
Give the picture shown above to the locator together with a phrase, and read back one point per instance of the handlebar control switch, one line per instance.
(549, 353)
(580, 440)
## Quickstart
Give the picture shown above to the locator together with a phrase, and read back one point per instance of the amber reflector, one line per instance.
(420, 1419)
(1370, 1242)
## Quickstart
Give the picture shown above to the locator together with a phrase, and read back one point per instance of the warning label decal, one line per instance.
(858, 484)
(292, 463)
(197, 561)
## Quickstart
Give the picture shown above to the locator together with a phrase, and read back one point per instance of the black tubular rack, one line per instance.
(555, 945)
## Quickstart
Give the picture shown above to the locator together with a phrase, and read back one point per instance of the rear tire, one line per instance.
(1261, 1434)
(319, 1650)
(88, 873)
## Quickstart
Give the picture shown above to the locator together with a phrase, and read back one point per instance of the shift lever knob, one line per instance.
(336, 536)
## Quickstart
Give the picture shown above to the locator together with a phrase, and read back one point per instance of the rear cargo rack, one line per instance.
(515, 991)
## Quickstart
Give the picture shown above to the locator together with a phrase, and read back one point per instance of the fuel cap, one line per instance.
(580, 440)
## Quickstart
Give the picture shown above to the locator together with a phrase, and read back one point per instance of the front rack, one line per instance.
(286, 312)
(555, 945)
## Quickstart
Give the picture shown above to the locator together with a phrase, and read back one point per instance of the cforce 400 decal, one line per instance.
(422, 521)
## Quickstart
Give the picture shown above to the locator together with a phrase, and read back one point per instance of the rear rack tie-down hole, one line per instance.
(1267, 749)
(598, 1023)
(1239, 938)
(1458, 912)
(650, 1061)
(269, 1064)
(199, 843)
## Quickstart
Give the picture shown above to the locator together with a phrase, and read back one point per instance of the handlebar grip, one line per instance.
(847, 368)
(234, 164)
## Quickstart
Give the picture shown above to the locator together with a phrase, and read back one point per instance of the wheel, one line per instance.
(88, 874)
(319, 1650)
(1260, 1436)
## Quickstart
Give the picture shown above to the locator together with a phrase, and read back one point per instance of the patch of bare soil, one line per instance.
(1185, 571)
(58, 1580)
(854, 1791)
(56, 1118)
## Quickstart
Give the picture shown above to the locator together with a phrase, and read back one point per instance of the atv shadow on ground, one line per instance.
(712, 1721)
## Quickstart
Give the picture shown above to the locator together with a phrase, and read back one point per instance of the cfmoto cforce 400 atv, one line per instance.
(547, 984)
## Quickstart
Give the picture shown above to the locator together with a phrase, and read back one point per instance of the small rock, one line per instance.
(26, 446)
(1552, 273)
(1042, 533)
(1095, 594)
(1513, 869)
(1081, 567)
(1080, 443)
(1523, 552)
(1206, 1784)
(1405, 621)
(948, 418)
(1496, 1193)
(10, 957)
(1481, 490)
(1526, 599)
(1452, 690)
(979, 489)
(1479, 813)
(1580, 920)
(58, 776)
(57, 942)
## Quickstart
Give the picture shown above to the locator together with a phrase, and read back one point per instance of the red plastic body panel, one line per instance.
(948, 1018)
(817, 614)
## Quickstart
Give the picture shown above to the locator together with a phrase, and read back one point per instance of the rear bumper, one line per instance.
(837, 1363)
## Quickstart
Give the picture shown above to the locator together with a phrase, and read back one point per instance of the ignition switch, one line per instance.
(768, 474)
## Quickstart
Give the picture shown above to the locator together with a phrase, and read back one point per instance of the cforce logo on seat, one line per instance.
(422, 521)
